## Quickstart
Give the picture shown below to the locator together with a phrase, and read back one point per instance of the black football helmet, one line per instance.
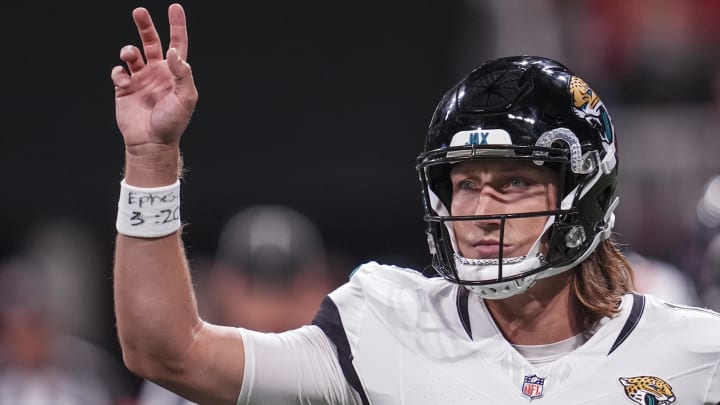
(522, 108)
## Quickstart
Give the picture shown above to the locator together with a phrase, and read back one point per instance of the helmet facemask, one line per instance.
(563, 241)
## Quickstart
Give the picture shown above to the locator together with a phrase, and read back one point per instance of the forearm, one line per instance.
(154, 302)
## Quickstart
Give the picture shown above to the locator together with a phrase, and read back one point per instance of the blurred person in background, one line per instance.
(270, 271)
(39, 363)
(269, 274)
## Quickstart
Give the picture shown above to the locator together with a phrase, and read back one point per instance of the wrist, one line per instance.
(152, 165)
(148, 212)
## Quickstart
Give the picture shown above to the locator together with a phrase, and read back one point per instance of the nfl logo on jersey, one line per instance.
(533, 386)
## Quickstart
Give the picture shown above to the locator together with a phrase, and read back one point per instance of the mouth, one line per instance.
(490, 249)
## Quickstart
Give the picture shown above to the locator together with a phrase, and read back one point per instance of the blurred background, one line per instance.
(322, 107)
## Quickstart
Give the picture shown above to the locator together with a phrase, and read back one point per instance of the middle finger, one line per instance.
(148, 35)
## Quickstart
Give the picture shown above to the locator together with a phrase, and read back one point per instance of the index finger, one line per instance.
(178, 30)
(149, 36)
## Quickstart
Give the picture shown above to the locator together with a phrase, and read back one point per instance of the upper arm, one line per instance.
(298, 366)
(294, 367)
(212, 369)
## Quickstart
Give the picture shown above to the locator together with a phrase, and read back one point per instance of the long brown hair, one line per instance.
(601, 280)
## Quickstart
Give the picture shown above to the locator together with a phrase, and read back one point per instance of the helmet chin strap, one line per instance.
(503, 289)
(470, 269)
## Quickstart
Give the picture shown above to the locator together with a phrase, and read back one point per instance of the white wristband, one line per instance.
(148, 212)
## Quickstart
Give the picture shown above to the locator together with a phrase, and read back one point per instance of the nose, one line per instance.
(487, 204)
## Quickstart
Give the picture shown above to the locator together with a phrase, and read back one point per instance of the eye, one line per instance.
(465, 184)
(517, 184)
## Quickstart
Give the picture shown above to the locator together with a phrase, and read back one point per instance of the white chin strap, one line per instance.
(474, 269)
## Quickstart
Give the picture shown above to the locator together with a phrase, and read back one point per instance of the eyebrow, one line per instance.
(503, 169)
(540, 174)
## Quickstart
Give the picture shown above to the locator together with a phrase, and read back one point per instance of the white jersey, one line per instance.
(401, 338)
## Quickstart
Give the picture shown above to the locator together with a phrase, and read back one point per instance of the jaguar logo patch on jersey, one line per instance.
(648, 390)
(533, 386)
(587, 105)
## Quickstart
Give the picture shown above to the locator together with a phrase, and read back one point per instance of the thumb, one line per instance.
(184, 84)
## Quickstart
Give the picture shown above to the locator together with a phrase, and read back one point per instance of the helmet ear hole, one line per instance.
(607, 195)
(443, 189)
(439, 180)
(605, 200)
(600, 201)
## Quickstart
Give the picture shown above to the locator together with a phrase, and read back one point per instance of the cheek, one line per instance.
(527, 228)
(461, 205)
(460, 228)
(523, 233)
(542, 201)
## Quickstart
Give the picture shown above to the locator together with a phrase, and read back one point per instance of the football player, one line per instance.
(533, 300)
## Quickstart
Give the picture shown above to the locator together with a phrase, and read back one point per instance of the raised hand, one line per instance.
(154, 95)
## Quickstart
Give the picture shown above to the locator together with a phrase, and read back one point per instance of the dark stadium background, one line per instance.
(321, 106)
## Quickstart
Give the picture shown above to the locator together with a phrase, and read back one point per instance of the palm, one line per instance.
(152, 112)
(155, 99)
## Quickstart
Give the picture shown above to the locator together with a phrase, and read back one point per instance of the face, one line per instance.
(492, 187)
